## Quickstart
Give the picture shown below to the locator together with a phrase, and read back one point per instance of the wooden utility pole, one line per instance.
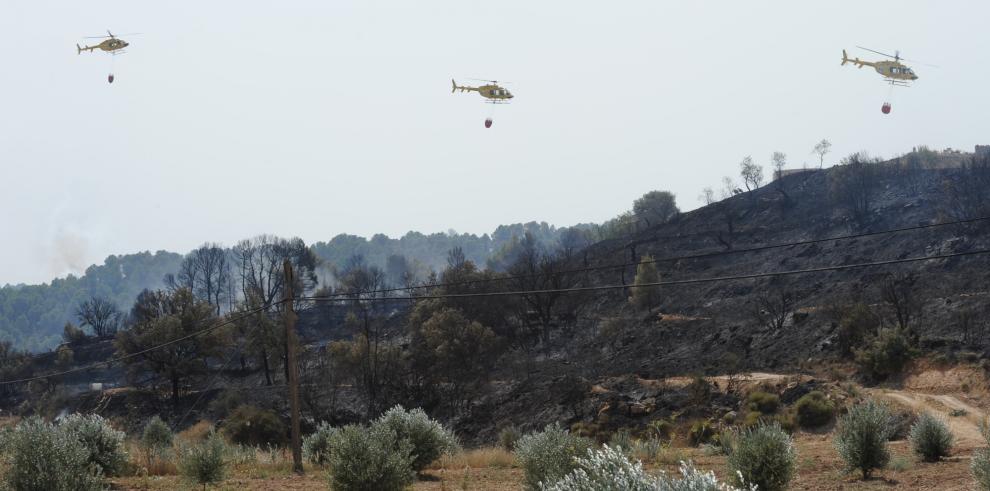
(289, 317)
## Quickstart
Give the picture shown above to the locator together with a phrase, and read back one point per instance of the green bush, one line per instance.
(369, 459)
(885, 355)
(621, 439)
(861, 437)
(249, 425)
(701, 432)
(157, 436)
(225, 404)
(547, 456)
(105, 444)
(508, 437)
(661, 429)
(813, 410)
(204, 463)
(763, 402)
(902, 418)
(316, 447)
(764, 456)
(754, 418)
(42, 457)
(930, 438)
(787, 420)
(429, 438)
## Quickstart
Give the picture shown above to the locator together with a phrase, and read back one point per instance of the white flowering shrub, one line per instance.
(547, 456)
(105, 444)
(861, 437)
(429, 438)
(930, 438)
(369, 459)
(41, 457)
(764, 456)
(316, 447)
(693, 479)
(609, 469)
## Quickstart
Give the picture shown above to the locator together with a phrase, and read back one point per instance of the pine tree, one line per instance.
(646, 297)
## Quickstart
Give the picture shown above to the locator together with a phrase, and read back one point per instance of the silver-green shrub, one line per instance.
(930, 438)
(765, 456)
(157, 436)
(508, 437)
(316, 446)
(205, 463)
(105, 444)
(42, 457)
(547, 456)
(369, 459)
(429, 438)
(861, 437)
(609, 469)
(980, 465)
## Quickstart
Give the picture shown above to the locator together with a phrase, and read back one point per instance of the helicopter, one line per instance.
(491, 91)
(111, 44)
(893, 72)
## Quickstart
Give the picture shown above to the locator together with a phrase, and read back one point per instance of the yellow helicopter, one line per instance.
(111, 44)
(894, 72)
(491, 91)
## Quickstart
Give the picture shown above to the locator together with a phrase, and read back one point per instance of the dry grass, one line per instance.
(195, 433)
(478, 458)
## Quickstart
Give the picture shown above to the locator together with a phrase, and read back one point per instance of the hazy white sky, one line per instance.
(234, 118)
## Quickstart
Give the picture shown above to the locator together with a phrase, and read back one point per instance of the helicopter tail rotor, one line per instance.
(78, 49)
(845, 58)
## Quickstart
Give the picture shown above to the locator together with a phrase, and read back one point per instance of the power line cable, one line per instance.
(111, 361)
(659, 283)
(666, 259)
(346, 297)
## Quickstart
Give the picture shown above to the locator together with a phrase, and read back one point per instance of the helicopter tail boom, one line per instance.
(455, 87)
(855, 61)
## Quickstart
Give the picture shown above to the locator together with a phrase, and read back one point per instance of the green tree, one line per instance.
(752, 173)
(166, 317)
(656, 207)
(645, 295)
(886, 354)
(454, 352)
(822, 148)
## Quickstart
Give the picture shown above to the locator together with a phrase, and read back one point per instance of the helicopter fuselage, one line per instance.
(490, 91)
(894, 70)
(891, 70)
(494, 92)
(109, 45)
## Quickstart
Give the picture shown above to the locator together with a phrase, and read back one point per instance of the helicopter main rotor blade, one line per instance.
(877, 52)
(113, 36)
(920, 63)
(487, 80)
